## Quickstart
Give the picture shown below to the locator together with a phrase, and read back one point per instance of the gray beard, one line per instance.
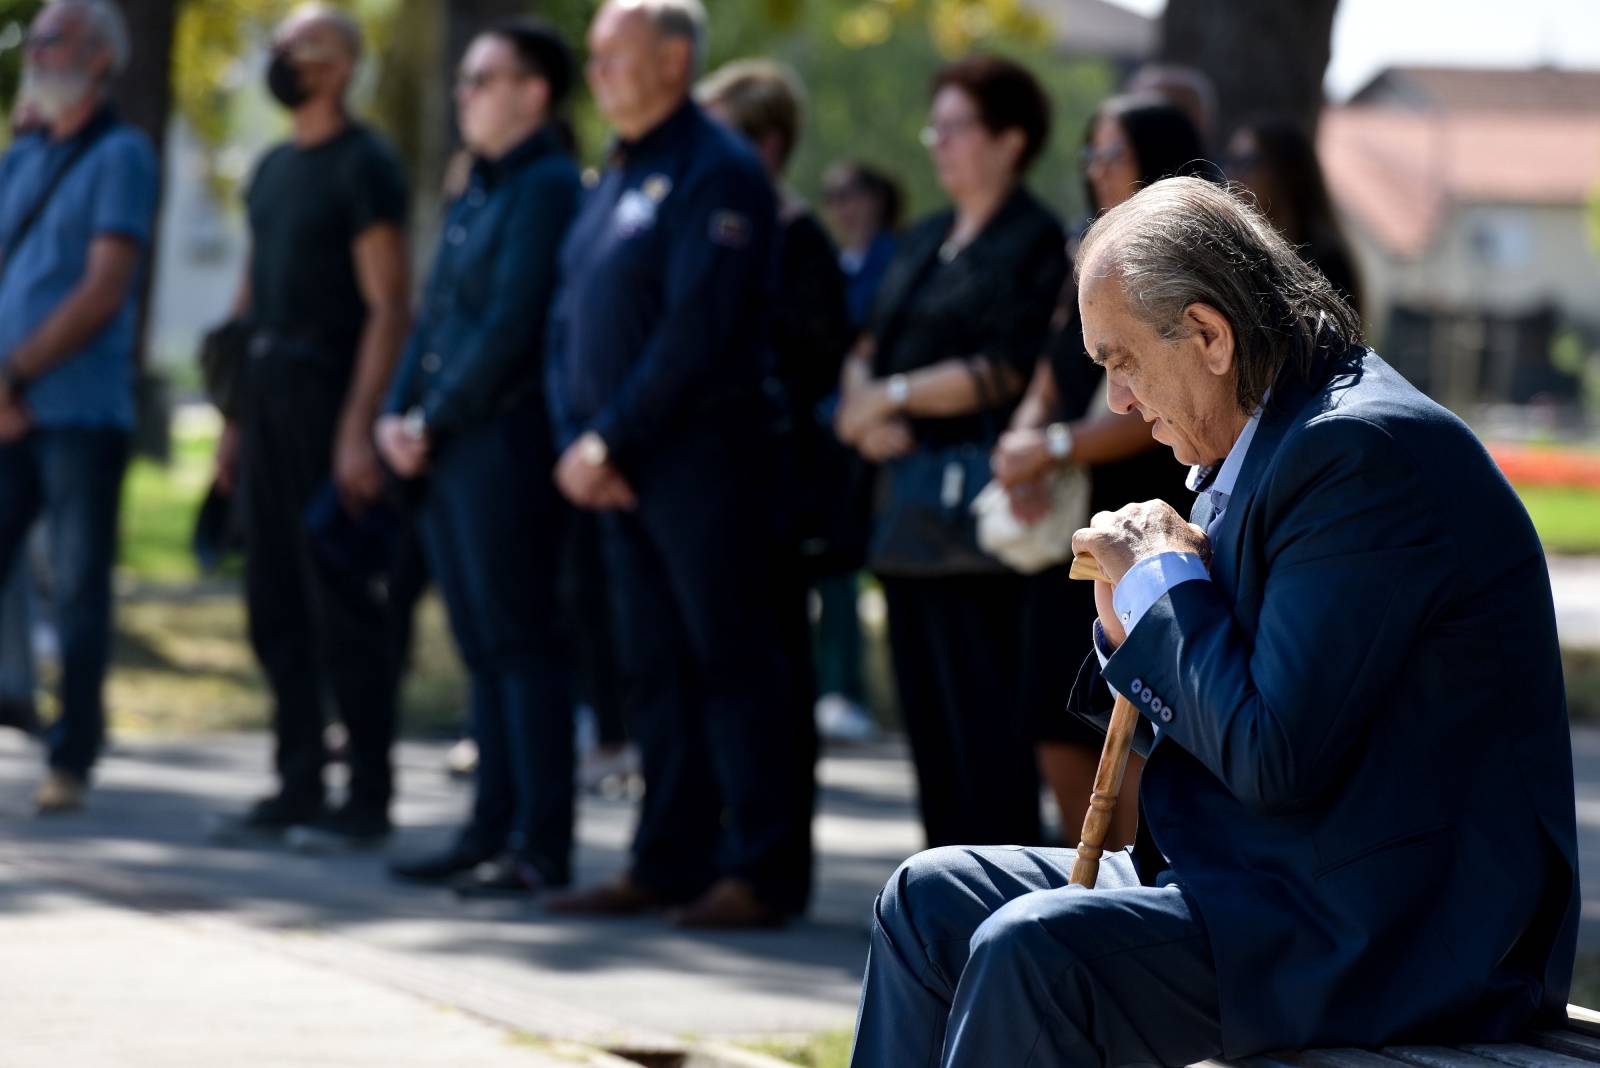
(54, 93)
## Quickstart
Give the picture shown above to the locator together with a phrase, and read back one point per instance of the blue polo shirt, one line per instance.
(110, 190)
(665, 277)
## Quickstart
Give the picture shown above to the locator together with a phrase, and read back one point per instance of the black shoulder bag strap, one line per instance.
(85, 139)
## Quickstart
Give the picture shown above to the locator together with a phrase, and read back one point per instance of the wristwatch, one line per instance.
(592, 449)
(898, 391)
(1058, 441)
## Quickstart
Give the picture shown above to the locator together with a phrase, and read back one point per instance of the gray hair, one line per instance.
(1184, 241)
(678, 18)
(106, 26)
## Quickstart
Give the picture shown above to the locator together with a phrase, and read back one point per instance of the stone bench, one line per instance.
(1572, 1046)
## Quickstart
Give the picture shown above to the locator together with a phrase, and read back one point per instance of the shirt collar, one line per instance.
(1221, 478)
(541, 142)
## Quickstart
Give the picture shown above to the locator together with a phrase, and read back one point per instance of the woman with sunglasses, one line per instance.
(466, 423)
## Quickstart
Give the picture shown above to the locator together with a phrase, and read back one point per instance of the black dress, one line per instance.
(1058, 612)
(954, 639)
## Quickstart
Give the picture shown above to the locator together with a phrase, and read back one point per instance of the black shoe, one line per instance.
(506, 876)
(348, 829)
(443, 867)
(267, 821)
(20, 713)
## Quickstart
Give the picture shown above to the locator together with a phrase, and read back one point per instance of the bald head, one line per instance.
(321, 26)
(322, 45)
(643, 56)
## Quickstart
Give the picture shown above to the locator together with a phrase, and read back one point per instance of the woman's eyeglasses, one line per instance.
(1102, 157)
(935, 132)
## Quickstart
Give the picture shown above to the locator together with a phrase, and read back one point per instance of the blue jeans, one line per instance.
(492, 526)
(73, 476)
(17, 678)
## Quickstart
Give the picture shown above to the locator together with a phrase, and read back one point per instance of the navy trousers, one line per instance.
(74, 477)
(984, 957)
(701, 596)
(493, 528)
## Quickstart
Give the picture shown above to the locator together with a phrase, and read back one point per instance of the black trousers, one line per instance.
(701, 598)
(955, 644)
(315, 638)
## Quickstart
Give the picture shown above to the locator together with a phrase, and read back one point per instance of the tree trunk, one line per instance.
(1262, 55)
(144, 98)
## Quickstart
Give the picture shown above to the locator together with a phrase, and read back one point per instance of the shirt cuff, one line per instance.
(1103, 650)
(1149, 580)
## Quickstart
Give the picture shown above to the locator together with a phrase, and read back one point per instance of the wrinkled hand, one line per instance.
(15, 419)
(357, 475)
(1021, 457)
(596, 487)
(1117, 540)
(405, 453)
(860, 411)
(887, 440)
(227, 461)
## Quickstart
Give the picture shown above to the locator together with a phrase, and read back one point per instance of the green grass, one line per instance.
(182, 659)
(159, 505)
(1568, 519)
(830, 1050)
(1586, 981)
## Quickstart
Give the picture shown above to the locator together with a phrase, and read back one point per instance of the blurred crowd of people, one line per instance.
(644, 429)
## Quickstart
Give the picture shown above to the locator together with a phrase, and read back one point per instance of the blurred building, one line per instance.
(1099, 30)
(1467, 195)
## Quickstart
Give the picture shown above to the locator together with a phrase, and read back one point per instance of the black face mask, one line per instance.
(285, 82)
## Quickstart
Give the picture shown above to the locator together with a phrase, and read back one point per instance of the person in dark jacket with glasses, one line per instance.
(466, 417)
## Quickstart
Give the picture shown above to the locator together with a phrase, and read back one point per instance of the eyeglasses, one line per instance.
(1103, 157)
(478, 80)
(936, 132)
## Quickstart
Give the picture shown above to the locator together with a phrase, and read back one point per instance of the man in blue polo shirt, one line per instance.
(77, 199)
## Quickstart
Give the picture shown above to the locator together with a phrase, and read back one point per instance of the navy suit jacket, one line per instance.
(1365, 784)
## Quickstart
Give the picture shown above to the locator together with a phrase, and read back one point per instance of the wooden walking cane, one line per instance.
(1113, 763)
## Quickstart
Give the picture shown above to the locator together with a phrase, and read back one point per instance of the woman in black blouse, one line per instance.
(957, 325)
(1131, 142)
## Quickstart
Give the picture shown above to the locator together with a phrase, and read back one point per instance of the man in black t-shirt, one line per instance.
(326, 297)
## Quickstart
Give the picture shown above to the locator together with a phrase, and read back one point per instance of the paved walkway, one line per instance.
(126, 916)
(127, 940)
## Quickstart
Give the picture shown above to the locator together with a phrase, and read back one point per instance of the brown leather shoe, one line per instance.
(730, 905)
(60, 792)
(619, 897)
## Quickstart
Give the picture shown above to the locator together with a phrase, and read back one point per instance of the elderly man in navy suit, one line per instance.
(1357, 810)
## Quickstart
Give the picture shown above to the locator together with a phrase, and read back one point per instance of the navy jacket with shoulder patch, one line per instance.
(665, 281)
